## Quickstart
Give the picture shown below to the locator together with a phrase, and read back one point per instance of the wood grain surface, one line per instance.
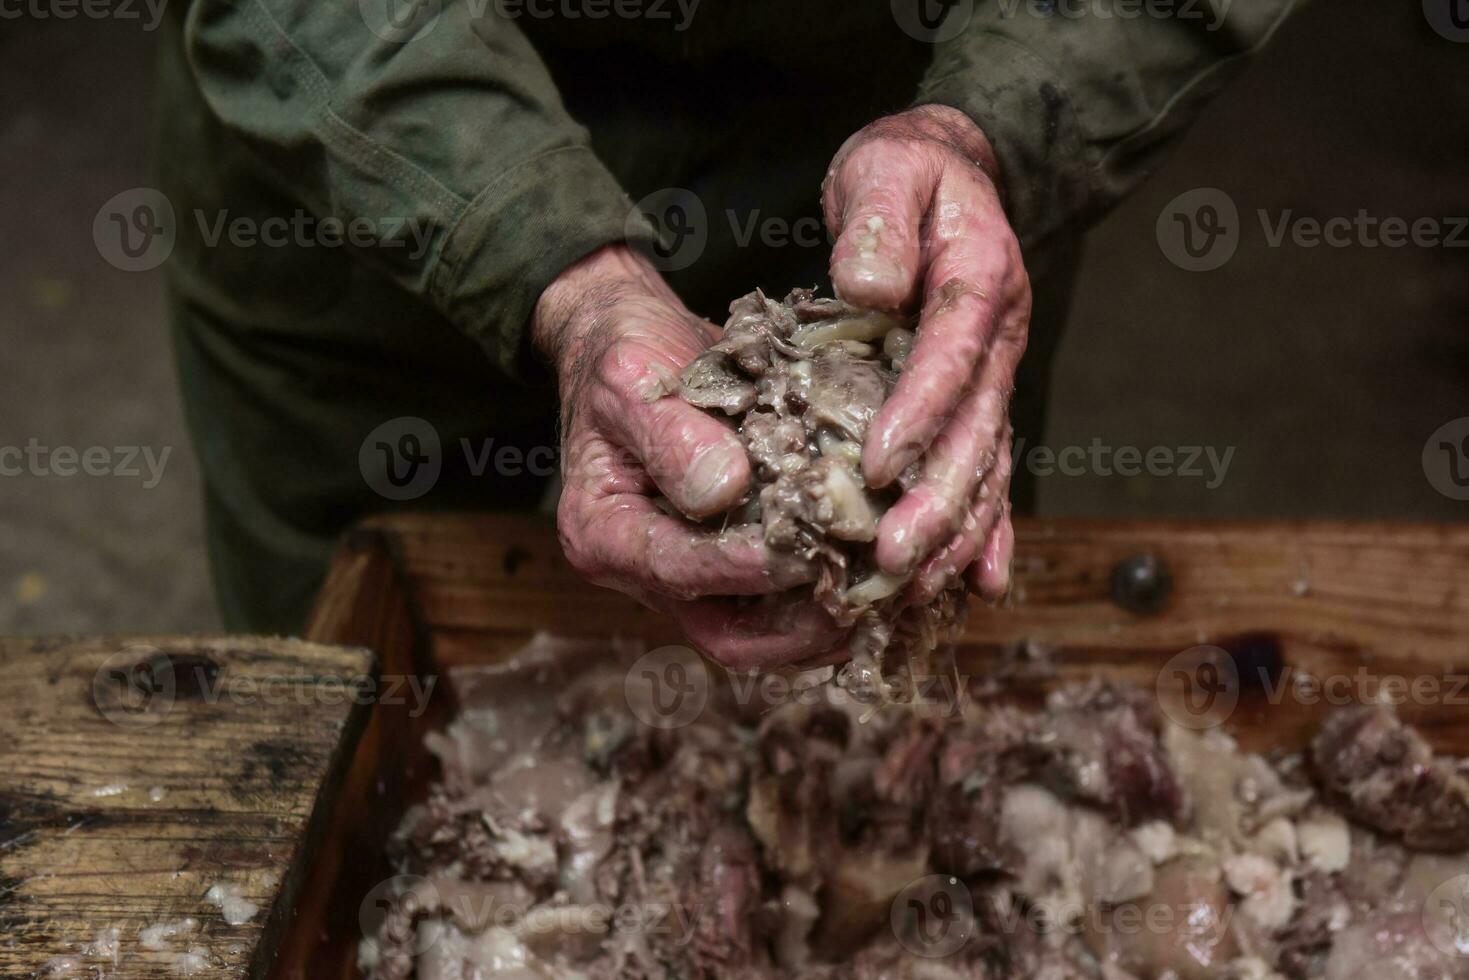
(1401, 591)
(137, 773)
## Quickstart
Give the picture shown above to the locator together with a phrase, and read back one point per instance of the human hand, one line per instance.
(615, 332)
(913, 201)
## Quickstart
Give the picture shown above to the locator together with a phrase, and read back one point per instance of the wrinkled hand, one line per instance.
(913, 202)
(615, 332)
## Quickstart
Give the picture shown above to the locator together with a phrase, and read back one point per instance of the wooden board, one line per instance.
(478, 585)
(137, 773)
(1282, 601)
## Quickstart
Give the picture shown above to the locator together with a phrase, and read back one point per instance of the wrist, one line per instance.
(576, 299)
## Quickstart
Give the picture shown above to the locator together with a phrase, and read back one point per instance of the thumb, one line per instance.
(697, 461)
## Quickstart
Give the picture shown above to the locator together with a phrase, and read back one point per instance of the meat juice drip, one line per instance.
(804, 378)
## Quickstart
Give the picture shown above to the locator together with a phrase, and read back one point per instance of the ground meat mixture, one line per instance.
(961, 838)
(802, 380)
(1385, 775)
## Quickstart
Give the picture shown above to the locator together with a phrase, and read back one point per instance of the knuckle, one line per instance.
(667, 442)
(894, 154)
(614, 369)
(1004, 463)
(568, 521)
(897, 222)
(1017, 278)
(957, 294)
(1015, 326)
(1004, 470)
(576, 553)
(579, 541)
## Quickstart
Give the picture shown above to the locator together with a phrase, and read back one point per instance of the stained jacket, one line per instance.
(484, 145)
(370, 195)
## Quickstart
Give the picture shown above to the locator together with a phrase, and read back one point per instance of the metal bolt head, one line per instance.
(1141, 584)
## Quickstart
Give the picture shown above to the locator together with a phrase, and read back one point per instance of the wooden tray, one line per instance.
(1358, 606)
(138, 772)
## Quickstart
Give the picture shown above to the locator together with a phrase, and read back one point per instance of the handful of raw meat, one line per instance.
(803, 379)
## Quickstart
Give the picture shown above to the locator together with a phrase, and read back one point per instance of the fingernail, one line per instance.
(706, 483)
(999, 566)
(900, 555)
(869, 268)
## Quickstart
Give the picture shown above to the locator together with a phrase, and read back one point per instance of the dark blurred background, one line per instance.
(1320, 371)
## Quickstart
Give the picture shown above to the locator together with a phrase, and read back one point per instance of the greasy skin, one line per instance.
(914, 204)
(614, 331)
(916, 212)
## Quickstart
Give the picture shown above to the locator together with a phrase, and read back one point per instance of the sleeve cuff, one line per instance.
(519, 234)
(1022, 107)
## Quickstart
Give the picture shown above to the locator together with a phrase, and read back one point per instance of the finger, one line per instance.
(622, 540)
(875, 207)
(992, 575)
(772, 632)
(943, 567)
(697, 461)
(976, 290)
(963, 454)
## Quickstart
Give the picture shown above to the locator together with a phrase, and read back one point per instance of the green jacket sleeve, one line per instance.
(446, 137)
(1081, 97)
